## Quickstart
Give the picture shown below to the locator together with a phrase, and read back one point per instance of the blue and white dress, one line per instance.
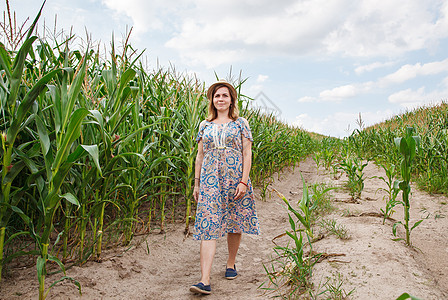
(217, 211)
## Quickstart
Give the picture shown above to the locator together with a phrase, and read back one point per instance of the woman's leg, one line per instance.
(208, 249)
(233, 243)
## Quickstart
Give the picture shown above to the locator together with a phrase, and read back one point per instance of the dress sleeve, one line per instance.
(201, 130)
(245, 129)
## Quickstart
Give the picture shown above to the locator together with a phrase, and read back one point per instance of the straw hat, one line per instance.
(232, 90)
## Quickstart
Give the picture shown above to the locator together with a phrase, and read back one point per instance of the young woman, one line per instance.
(222, 190)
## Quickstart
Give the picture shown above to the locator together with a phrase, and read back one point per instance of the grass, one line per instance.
(331, 226)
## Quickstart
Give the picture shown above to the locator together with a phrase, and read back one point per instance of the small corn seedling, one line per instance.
(392, 189)
(407, 146)
(322, 203)
(317, 157)
(354, 167)
(296, 272)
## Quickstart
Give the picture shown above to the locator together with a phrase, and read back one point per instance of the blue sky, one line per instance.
(321, 62)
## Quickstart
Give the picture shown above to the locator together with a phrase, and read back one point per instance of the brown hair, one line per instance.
(233, 109)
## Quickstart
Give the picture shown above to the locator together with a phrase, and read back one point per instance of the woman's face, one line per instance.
(222, 99)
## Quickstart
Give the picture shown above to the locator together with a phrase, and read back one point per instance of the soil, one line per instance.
(366, 265)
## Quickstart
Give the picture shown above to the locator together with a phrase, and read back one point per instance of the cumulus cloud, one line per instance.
(410, 98)
(160, 15)
(379, 28)
(406, 98)
(242, 30)
(373, 66)
(408, 72)
(340, 124)
(338, 93)
(199, 28)
(262, 78)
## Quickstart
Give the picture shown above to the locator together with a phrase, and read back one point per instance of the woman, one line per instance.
(222, 188)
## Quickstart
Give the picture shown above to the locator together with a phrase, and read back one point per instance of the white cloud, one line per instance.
(378, 28)
(340, 124)
(407, 97)
(373, 66)
(151, 15)
(297, 28)
(262, 78)
(408, 72)
(338, 93)
(410, 98)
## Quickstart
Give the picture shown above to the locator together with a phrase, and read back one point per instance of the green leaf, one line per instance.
(411, 143)
(404, 147)
(397, 142)
(43, 135)
(56, 260)
(5, 61)
(394, 228)
(73, 132)
(66, 278)
(416, 224)
(97, 116)
(40, 266)
(76, 155)
(17, 70)
(75, 87)
(15, 170)
(405, 296)
(26, 103)
(24, 217)
(71, 198)
(93, 151)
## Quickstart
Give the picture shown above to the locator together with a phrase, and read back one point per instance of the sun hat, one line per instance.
(222, 82)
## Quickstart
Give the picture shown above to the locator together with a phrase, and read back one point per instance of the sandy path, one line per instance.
(373, 265)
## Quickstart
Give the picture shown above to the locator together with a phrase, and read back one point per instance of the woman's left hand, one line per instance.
(240, 191)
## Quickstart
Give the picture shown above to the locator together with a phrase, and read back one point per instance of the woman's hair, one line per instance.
(233, 109)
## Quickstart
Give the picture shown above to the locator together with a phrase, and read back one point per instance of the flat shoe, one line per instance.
(231, 273)
(200, 288)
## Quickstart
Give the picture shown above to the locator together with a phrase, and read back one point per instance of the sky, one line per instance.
(316, 64)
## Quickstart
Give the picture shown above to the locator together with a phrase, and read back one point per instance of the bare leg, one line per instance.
(233, 243)
(208, 249)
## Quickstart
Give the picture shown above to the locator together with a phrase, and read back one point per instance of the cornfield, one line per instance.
(431, 160)
(96, 149)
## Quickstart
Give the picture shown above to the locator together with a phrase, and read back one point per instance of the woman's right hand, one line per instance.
(196, 193)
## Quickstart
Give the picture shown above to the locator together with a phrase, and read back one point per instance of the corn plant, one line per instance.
(317, 157)
(16, 104)
(407, 145)
(353, 167)
(298, 269)
(392, 189)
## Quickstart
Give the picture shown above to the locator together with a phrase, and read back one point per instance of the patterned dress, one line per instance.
(218, 212)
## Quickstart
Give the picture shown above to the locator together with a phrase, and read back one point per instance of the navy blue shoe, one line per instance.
(200, 288)
(231, 273)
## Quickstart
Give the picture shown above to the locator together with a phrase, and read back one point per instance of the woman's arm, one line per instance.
(197, 170)
(247, 164)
